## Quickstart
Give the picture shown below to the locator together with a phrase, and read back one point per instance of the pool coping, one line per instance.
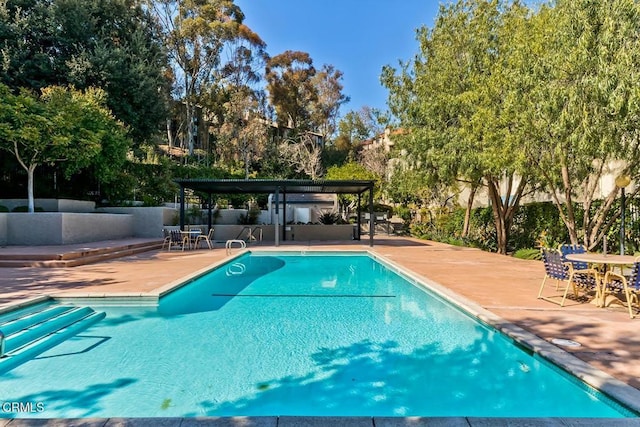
(292, 421)
(603, 382)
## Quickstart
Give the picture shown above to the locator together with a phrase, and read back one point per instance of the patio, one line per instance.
(502, 285)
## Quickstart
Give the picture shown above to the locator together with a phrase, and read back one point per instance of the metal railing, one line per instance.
(250, 234)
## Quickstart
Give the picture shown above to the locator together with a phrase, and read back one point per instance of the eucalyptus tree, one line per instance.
(243, 132)
(450, 98)
(579, 113)
(66, 126)
(197, 33)
(291, 90)
(326, 110)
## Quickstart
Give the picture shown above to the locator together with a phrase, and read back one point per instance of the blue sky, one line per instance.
(358, 37)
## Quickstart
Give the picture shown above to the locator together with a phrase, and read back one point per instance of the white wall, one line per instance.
(52, 205)
(147, 221)
(63, 228)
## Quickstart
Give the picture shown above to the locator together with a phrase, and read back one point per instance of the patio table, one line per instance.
(606, 260)
(192, 235)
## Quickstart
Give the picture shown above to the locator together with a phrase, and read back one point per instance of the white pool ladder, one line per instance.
(229, 245)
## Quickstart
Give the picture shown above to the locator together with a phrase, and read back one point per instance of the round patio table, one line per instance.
(606, 260)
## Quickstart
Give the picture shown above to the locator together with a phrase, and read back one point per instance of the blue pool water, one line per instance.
(278, 334)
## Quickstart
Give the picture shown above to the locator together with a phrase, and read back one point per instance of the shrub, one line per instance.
(251, 217)
(528, 253)
(404, 212)
(26, 209)
(328, 218)
(3, 208)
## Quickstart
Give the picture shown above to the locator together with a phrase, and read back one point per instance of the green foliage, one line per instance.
(449, 101)
(528, 253)
(536, 224)
(194, 214)
(404, 212)
(24, 208)
(251, 216)
(535, 220)
(579, 108)
(3, 208)
(329, 218)
(88, 43)
(61, 126)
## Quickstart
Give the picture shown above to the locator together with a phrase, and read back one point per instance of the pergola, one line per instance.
(277, 187)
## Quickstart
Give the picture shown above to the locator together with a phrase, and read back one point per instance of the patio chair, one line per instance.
(167, 237)
(207, 238)
(574, 249)
(562, 272)
(583, 273)
(630, 285)
(178, 239)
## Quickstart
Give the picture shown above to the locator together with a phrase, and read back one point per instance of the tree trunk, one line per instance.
(169, 135)
(30, 197)
(467, 212)
(570, 221)
(498, 216)
(504, 211)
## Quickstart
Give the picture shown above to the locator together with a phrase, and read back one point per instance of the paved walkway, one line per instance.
(505, 286)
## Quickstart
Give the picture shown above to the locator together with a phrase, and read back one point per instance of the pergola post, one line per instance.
(359, 213)
(371, 217)
(284, 215)
(210, 217)
(181, 207)
(277, 224)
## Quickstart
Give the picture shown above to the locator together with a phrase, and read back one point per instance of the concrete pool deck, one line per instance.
(505, 286)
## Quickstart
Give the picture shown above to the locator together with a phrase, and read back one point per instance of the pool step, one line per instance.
(30, 320)
(34, 333)
(10, 316)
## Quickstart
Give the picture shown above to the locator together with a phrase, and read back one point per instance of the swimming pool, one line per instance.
(283, 334)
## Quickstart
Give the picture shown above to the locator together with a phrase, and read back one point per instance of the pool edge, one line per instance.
(296, 421)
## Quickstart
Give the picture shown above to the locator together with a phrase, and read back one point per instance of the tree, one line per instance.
(196, 33)
(110, 44)
(353, 128)
(291, 90)
(348, 171)
(244, 132)
(60, 126)
(304, 154)
(325, 111)
(580, 113)
(449, 102)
